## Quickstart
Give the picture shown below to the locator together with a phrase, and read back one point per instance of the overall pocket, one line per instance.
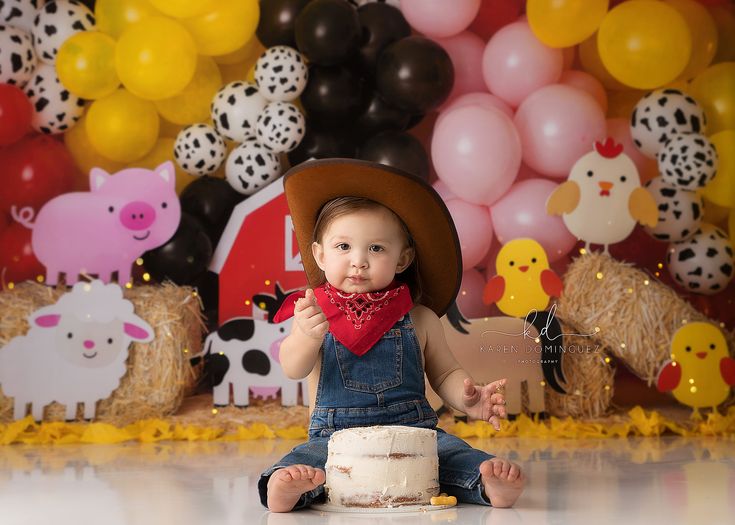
(377, 370)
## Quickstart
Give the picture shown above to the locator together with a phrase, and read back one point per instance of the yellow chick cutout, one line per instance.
(700, 372)
(524, 281)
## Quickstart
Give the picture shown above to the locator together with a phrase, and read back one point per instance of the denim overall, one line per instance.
(385, 386)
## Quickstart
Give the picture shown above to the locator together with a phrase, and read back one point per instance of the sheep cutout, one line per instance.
(74, 352)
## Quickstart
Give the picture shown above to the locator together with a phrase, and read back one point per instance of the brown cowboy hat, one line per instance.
(312, 184)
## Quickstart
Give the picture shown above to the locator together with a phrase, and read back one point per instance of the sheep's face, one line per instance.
(90, 344)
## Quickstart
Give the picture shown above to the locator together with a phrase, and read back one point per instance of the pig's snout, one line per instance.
(137, 215)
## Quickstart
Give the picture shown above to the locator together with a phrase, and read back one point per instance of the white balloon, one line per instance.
(702, 264)
(679, 211)
(281, 73)
(235, 110)
(281, 127)
(55, 109)
(17, 57)
(251, 166)
(199, 149)
(688, 160)
(19, 13)
(55, 22)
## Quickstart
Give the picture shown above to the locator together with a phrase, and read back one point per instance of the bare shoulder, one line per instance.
(425, 323)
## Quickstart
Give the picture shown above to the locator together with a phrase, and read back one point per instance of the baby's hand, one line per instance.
(309, 316)
(485, 402)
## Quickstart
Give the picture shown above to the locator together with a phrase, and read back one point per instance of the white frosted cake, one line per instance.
(382, 466)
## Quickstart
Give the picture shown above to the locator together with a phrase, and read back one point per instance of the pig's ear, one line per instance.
(97, 178)
(167, 172)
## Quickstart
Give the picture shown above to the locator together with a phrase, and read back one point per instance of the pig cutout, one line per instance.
(105, 230)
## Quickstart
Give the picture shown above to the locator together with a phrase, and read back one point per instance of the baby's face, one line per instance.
(362, 251)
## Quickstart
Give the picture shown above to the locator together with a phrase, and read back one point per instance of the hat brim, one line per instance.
(310, 185)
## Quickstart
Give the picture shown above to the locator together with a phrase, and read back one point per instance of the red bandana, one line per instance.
(357, 320)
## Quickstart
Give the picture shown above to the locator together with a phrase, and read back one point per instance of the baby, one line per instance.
(382, 254)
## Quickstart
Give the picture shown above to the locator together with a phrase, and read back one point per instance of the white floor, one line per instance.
(591, 482)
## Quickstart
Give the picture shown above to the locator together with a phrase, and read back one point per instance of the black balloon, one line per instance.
(415, 74)
(184, 257)
(382, 24)
(333, 96)
(277, 22)
(399, 150)
(323, 144)
(210, 200)
(380, 116)
(328, 32)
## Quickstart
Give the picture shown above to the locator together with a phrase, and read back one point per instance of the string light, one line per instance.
(39, 278)
(622, 345)
(195, 294)
(684, 321)
(139, 261)
(597, 329)
(660, 266)
(146, 277)
(646, 282)
(607, 387)
(215, 411)
(128, 285)
(607, 360)
(582, 251)
(543, 383)
(577, 392)
(247, 302)
(630, 290)
(267, 282)
(599, 276)
(186, 350)
(11, 285)
(693, 390)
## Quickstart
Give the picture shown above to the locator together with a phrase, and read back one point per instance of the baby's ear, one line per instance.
(405, 260)
(318, 252)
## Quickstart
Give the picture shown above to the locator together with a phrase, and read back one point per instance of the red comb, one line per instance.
(609, 149)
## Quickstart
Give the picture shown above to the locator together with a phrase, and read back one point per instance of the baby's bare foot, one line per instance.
(503, 481)
(287, 484)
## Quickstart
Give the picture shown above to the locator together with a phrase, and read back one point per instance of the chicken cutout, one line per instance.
(524, 281)
(700, 372)
(602, 199)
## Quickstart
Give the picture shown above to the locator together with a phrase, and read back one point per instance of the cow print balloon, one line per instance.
(199, 149)
(55, 109)
(660, 115)
(281, 74)
(56, 22)
(19, 13)
(281, 127)
(703, 263)
(688, 160)
(235, 110)
(251, 166)
(17, 57)
(679, 211)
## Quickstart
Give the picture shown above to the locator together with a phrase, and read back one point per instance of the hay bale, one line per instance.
(159, 373)
(589, 378)
(636, 314)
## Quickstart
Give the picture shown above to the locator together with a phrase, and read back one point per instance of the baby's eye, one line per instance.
(343, 246)
(375, 248)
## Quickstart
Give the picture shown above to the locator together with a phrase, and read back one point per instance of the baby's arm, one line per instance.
(453, 384)
(300, 349)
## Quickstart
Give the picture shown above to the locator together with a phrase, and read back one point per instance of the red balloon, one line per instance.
(34, 170)
(494, 14)
(15, 114)
(17, 260)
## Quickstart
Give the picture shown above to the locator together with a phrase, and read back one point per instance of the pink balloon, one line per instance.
(588, 83)
(439, 18)
(494, 14)
(557, 125)
(569, 54)
(476, 151)
(525, 173)
(619, 129)
(482, 99)
(516, 63)
(465, 50)
(443, 190)
(474, 229)
(469, 298)
(522, 213)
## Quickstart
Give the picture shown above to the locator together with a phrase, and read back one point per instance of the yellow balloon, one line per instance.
(250, 52)
(86, 64)
(226, 28)
(114, 16)
(704, 35)
(162, 151)
(725, 21)
(84, 154)
(589, 57)
(184, 8)
(714, 214)
(156, 58)
(714, 89)
(192, 104)
(563, 23)
(644, 44)
(169, 129)
(121, 126)
(721, 190)
(233, 72)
